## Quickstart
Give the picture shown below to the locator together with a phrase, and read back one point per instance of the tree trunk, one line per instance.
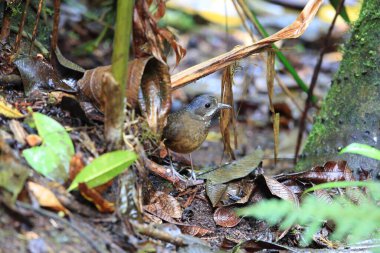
(351, 110)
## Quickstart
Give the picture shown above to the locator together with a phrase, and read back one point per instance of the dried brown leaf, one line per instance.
(46, 197)
(280, 190)
(103, 205)
(195, 230)
(227, 117)
(91, 85)
(155, 102)
(168, 204)
(76, 165)
(329, 172)
(148, 38)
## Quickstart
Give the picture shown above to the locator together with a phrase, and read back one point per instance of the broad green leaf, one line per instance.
(104, 168)
(362, 149)
(52, 158)
(343, 12)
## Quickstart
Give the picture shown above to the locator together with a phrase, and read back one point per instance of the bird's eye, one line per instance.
(207, 105)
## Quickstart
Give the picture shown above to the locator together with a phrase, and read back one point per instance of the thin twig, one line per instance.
(36, 43)
(36, 25)
(5, 28)
(314, 79)
(21, 27)
(54, 37)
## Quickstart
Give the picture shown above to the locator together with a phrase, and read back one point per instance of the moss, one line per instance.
(350, 110)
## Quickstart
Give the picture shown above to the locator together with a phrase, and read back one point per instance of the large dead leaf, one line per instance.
(234, 170)
(294, 30)
(38, 75)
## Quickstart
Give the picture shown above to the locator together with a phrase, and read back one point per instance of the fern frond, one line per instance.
(359, 221)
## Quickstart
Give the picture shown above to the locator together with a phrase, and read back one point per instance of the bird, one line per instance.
(187, 128)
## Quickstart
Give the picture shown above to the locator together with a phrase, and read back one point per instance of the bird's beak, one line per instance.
(223, 106)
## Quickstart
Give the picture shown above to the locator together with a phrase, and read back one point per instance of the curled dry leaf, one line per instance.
(103, 205)
(46, 197)
(148, 38)
(226, 217)
(280, 190)
(91, 85)
(155, 101)
(148, 85)
(227, 117)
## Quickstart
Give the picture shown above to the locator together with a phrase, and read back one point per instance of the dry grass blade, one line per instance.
(294, 30)
(270, 78)
(276, 134)
(227, 116)
(270, 84)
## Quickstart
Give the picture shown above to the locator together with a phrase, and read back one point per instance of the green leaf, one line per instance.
(52, 158)
(362, 149)
(104, 168)
(343, 12)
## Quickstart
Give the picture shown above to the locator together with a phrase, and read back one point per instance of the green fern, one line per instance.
(359, 221)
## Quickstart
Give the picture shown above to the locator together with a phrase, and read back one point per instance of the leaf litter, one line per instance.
(233, 185)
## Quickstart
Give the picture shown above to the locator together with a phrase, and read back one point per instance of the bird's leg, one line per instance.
(174, 171)
(193, 176)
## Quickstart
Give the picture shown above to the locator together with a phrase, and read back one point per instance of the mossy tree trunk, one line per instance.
(351, 110)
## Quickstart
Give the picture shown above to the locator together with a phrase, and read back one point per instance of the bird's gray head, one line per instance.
(206, 106)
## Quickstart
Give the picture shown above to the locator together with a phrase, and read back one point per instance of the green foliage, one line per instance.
(362, 149)
(104, 168)
(359, 221)
(52, 158)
